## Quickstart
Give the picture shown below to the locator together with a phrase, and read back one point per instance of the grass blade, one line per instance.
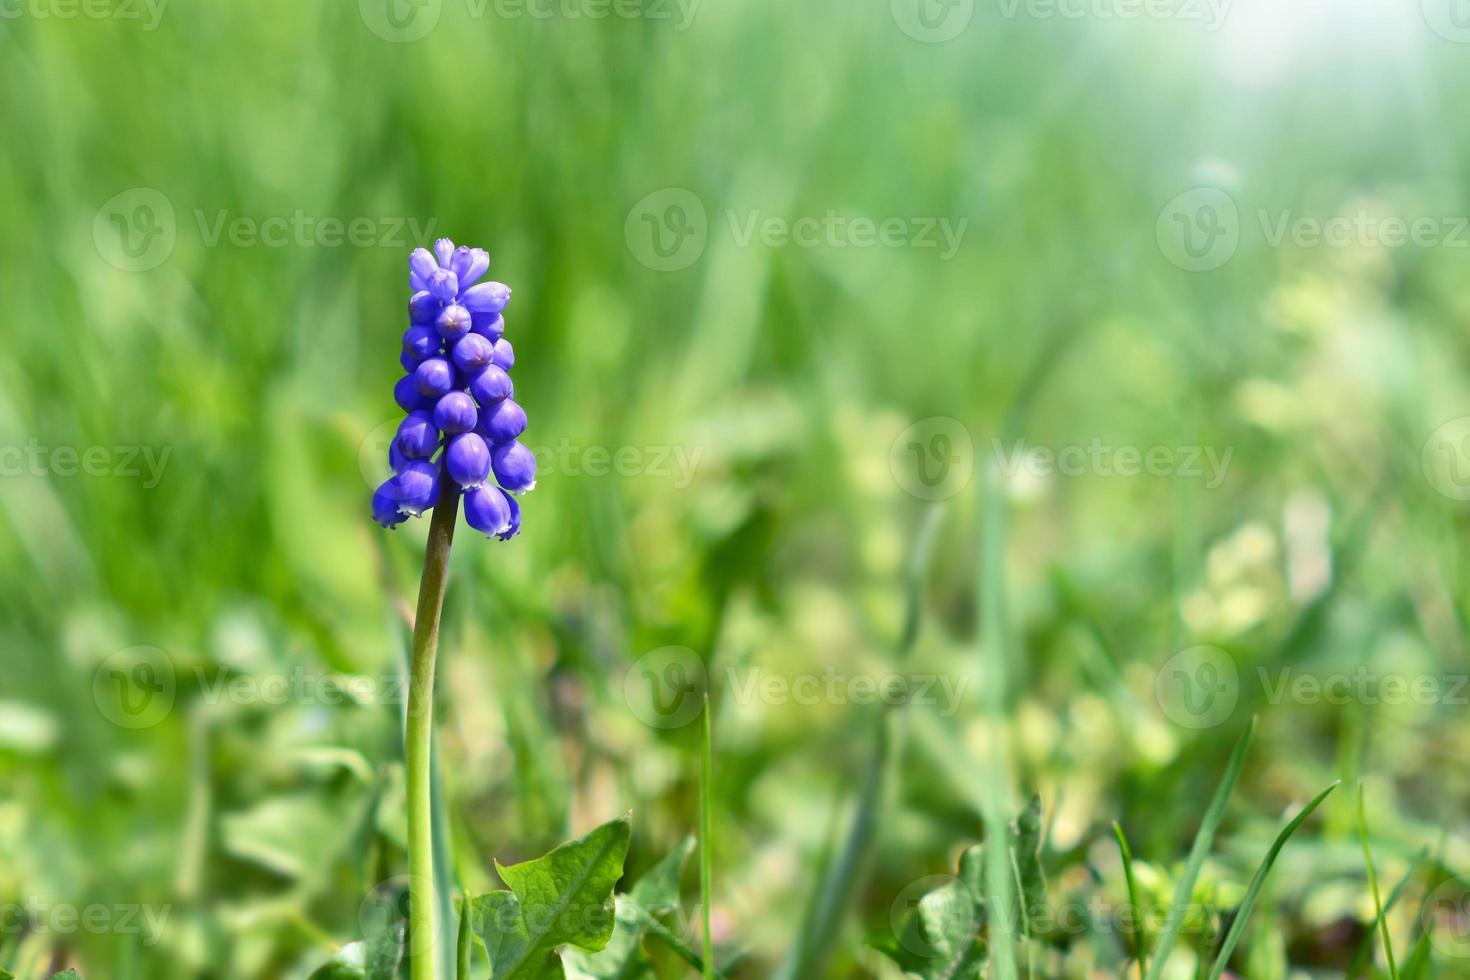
(1197, 854)
(1393, 969)
(1243, 912)
(995, 795)
(1365, 948)
(706, 862)
(1140, 938)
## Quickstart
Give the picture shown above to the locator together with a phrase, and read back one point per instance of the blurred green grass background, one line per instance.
(765, 396)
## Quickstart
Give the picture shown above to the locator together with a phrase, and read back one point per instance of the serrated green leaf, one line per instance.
(362, 961)
(561, 899)
(623, 957)
(940, 939)
(1026, 830)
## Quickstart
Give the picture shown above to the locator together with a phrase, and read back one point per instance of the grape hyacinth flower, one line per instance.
(457, 384)
(460, 438)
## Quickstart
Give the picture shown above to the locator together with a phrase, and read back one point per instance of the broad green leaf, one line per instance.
(1242, 913)
(563, 898)
(658, 891)
(6, 974)
(362, 961)
(64, 975)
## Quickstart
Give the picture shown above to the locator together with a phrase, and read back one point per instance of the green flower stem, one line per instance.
(423, 913)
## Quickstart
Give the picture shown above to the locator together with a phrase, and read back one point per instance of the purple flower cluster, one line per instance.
(462, 421)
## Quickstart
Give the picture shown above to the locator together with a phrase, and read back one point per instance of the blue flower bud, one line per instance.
(515, 519)
(435, 377)
(491, 385)
(423, 307)
(406, 393)
(469, 264)
(396, 460)
(486, 297)
(468, 460)
(454, 322)
(408, 361)
(502, 423)
(456, 413)
(421, 266)
(385, 506)
(515, 467)
(444, 251)
(444, 285)
(472, 354)
(417, 436)
(505, 355)
(488, 325)
(487, 510)
(420, 343)
(416, 488)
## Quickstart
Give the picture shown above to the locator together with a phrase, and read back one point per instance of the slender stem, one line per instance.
(423, 913)
(706, 859)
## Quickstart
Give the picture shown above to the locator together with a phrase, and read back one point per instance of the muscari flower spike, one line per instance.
(462, 427)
